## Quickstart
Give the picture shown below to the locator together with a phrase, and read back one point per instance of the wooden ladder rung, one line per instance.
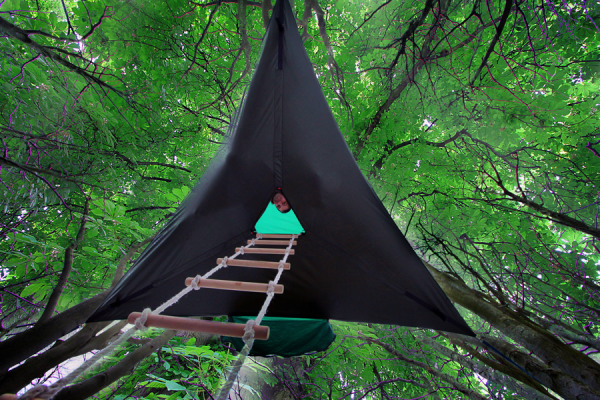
(254, 264)
(200, 325)
(260, 242)
(264, 251)
(234, 285)
(275, 236)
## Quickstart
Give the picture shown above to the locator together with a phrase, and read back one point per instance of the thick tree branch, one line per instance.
(483, 365)
(242, 22)
(555, 216)
(101, 340)
(210, 18)
(216, 130)
(22, 346)
(155, 178)
(162, 165)
(266, 7)
(561, 383)
(559, 328)
(337, 74)
(545, 345)
(213, 3)
(507, 7)
(390, 150)
(397, 91)
(136, 163)
(147, 208)
(67, 267)
(35, 367)
(410, 31)
(35, 171)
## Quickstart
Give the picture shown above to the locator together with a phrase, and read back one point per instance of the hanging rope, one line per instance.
(47, 392)
(248, 337)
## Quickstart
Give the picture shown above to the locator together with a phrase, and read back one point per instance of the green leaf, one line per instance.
(90, 250)
(31, 289)
(174, 396)
(171, 385)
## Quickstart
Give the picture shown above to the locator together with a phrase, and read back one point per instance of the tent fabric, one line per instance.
(289, 337)
(352, 263)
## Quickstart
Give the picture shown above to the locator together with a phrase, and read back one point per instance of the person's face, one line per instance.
(280, 202)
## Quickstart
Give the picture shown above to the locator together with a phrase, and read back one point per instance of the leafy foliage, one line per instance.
(180, 370)
(475, 122)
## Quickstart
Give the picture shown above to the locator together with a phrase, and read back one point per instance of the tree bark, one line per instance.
(561, 383)
(25, 344)
(266, 7)
(22, 36)
(492, 370)
(80, 343)
(120, 271)
(28, 343)
(542, 343)
(35, 367)
(555, 216)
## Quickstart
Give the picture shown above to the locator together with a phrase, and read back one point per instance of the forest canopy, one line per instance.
(475, 122)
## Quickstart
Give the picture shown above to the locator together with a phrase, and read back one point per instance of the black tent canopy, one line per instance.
(352, 263)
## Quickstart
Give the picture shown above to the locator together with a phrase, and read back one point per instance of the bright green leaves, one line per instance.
(178, 194)
(177, 371)
(530, 120)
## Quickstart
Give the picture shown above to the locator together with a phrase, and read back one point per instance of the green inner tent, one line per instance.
(288, 337)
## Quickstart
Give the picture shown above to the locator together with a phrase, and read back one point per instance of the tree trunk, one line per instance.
(561, 383)
(22, 346)
(493, 371)
(542, 343)
(28, 343)
(35, 367)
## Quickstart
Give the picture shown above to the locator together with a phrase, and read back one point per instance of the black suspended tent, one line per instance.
(352, 263)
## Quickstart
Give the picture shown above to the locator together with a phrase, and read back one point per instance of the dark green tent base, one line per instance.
(289, 336)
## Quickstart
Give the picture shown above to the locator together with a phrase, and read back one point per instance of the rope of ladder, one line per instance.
(47, 392)
(248, 337)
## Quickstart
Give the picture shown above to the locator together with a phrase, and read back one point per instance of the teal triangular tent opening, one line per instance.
(272, 221)
(289, 337)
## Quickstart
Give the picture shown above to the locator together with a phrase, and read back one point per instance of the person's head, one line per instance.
(281, 202)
